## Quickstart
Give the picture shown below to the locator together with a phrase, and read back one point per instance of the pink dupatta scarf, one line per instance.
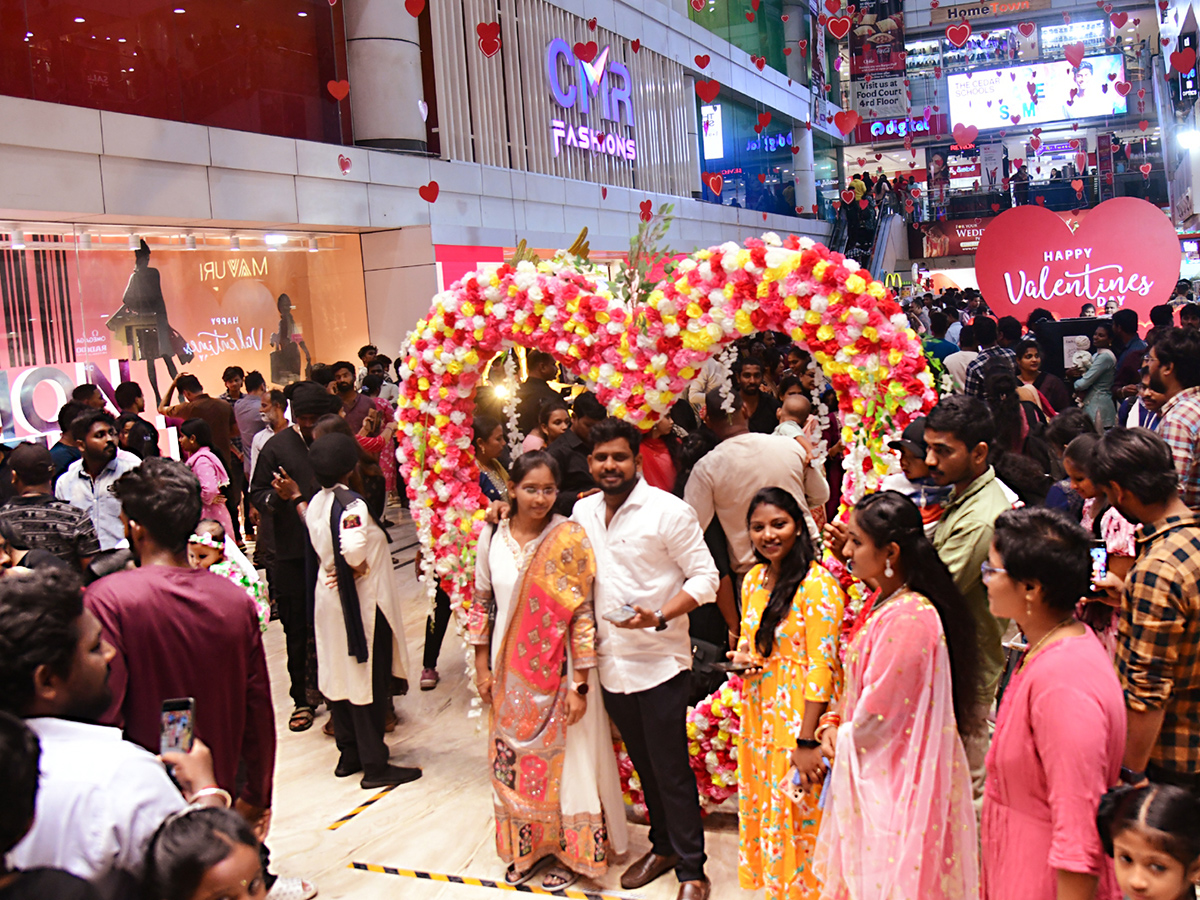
(899, 823)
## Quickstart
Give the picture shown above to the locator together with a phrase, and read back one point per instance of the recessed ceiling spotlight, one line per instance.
(235, 243)
(18, 239)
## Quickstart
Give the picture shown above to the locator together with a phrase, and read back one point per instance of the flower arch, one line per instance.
(639, 360)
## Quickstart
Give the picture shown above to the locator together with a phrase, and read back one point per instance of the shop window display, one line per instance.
(761, 37)
(221, 63)
(93, 306)
(756, 168)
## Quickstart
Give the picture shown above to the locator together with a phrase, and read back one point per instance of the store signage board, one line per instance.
(880, 98)
(877, 40)
(1125, 249)
(895, 129)
(980, 10)
(713, 135)
(1000, 98)
(588, 87)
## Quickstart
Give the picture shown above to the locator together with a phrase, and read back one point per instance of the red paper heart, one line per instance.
(803, 46)
(787, 51)
(1124, 240)
(635, 45)
(965, 134)
(429, 192)
(647, 208)
(764, 119)
(1143, 125)
(814, 209)
(836, 204)
(1122, 87)
(338, 89)
(489, 38)
(915, 192)
(1119, 19)
(784, 17)
(749, 17)
(795, 150)
(344, 163)
(833, 6)
(839, 27)
(933, 4)
(1074, 53)
(708, 90)
(1016, 120)
(908, 205)
(716, 183)
(1026, 28)
(1144, 168)
(847, 196)
(603, 193)
(702, 61)
(591, 23)
(754, 4)
(995, 207)
(587, 52)
(1141, 93)
(879, 156)
(1165, 41)
(846, 120)
(762, 179)
(697, 5)
(958, 34)
(414, 7)
(1183, 61)
(760, 63)
(1066, 18)
(1077, 184)
(864, 203)
(1035, 143)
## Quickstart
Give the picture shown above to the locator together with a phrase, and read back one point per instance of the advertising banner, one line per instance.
(880, 98)
(991, 159)
(899, 128)
(1039, 92)
(1125, 249)
(956, 238)
(978, 10)
(877, 40)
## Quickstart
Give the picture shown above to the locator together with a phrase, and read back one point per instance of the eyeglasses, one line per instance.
(987, 570)
(535, 492)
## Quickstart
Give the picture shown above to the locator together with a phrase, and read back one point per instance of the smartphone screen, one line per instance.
(622, 614)
(1099, 563)
(177, 725)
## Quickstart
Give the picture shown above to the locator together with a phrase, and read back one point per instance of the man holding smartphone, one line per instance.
(650, 557)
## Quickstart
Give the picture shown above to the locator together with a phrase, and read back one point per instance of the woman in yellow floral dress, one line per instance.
(791, 617)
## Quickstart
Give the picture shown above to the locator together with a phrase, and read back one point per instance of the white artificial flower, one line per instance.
(771, 239)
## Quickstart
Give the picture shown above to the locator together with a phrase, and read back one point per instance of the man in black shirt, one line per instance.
(758, 407)
(282, 461)
(571, 452)
(45, 522)
(535, 389)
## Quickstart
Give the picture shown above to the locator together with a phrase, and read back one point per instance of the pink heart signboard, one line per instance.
(1124, 249)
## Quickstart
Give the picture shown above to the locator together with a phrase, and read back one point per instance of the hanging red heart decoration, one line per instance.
(587, 52)
(847, 196)
(338, 89)
(429, 192)
(414, 7)
(958, 34)
(708, 90)
(1144, 168)
(635, 45)
(839, 27)
(489, 38)
(1074, 53)
(1119, 19)
(647, 208)
(1026, 28)
(603, 193)
(1143, 125)
(702, 61)
(1183, 61)
(846, 120)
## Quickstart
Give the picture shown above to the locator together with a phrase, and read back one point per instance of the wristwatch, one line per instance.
(1128, 776)
(662, 622)
(580, 687)
(805, 744)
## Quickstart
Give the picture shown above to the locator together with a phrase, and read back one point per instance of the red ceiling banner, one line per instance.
(1124, 249)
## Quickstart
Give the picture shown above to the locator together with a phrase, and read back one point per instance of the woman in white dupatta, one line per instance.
(555, 785)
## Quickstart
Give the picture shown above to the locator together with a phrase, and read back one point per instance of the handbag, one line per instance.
(181, 347)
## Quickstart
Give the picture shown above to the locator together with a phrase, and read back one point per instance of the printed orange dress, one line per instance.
(777, 837)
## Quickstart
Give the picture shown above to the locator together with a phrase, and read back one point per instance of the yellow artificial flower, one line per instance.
(855, 284)
(876, 290)
(693, 311)
(870, 333)
(894, 357)
(819, 269)
(741, 321)
(825, 333)
(468, 308)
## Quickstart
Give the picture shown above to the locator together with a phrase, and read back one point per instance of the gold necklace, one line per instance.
(1045, 637)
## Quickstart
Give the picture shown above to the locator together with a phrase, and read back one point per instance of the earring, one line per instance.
(887, 569)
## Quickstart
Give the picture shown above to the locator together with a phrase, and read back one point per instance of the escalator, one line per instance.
(877, 238)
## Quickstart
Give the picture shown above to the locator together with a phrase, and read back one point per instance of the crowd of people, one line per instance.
(994, 715)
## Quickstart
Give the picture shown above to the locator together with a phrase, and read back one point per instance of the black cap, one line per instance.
(332, 456)
(31, 463)
(310, 399)
(913, 438)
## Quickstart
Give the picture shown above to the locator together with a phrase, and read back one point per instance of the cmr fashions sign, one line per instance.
(584, 80)
(1125, 250)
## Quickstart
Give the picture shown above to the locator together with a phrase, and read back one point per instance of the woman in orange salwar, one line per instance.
(556, 791)
(791, 615)
(898, 821)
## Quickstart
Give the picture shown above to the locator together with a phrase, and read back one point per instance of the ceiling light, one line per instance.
(312, 245)
(120, 40)
(179, 11)
(80, 19)
(17, 239)
(85, 241)
(275, 240)
(235, 243)
(134, 245)
(190, 241)
(302, 14)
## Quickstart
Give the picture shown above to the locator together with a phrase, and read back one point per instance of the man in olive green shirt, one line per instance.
(958, 433)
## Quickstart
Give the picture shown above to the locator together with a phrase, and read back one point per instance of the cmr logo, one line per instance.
(591, 81)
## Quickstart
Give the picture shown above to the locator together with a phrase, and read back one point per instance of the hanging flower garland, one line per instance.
(639, 360)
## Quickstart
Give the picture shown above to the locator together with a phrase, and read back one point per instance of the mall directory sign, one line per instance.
(1125, 249)
(1048, 91)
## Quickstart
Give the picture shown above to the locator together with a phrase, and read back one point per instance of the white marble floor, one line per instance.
(440, 824)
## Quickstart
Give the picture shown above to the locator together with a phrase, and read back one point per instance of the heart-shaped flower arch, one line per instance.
(639, 361)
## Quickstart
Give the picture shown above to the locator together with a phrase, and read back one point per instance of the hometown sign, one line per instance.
(584, 80)
(1125, 250)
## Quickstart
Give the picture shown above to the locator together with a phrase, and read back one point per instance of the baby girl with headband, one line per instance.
(208, 549)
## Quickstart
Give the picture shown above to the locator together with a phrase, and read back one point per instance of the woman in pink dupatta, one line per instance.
(898, 822)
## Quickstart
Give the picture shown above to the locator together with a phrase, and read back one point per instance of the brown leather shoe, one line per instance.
(646, 869)
(694, 890)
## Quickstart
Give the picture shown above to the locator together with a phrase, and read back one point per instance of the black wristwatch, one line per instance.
(662, 622)
(1128, 776)
(804, 744)
(581, 687)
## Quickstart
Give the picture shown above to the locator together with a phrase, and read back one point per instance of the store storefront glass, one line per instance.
(223, 63)
(79, 305)
(757, 169)
(758, 32)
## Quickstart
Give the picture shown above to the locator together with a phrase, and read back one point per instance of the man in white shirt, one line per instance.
(653, 567)
(100, 798)
(86, 482)
(956, 363)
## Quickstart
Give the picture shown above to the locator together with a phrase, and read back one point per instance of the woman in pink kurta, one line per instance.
(1060, 732)
(898, 821)
(195, 439)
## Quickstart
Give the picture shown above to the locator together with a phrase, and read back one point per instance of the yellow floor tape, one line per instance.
(497, 885)
(354, 812)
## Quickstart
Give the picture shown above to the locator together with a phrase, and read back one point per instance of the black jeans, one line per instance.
(233, 495)
(653, 724)
(358, 730)
(288, 581)
(435, 630)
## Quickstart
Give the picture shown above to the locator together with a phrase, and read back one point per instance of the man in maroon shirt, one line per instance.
(183, 632)
(355, 406)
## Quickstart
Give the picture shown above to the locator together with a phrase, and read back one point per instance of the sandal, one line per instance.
(559, 878)
(513, 878)
(302, 719)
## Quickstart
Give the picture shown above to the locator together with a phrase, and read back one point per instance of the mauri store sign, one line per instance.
(589, 80)
(1125, 250)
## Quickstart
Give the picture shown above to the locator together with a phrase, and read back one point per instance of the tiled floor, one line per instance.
(442, 823)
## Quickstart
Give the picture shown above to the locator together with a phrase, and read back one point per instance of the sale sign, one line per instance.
(1125, 250)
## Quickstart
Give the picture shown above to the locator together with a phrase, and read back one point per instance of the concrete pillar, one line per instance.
(806, 185)
(383, 49)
